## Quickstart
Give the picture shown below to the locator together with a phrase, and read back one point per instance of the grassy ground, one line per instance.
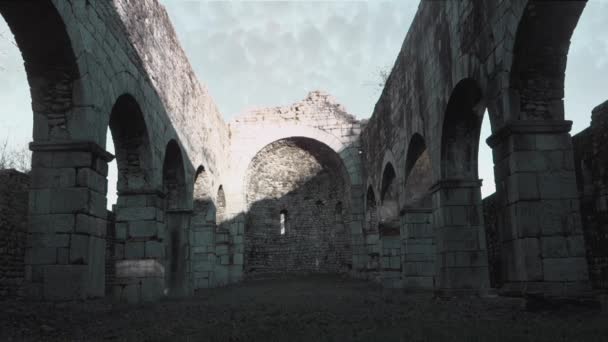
(318, 308)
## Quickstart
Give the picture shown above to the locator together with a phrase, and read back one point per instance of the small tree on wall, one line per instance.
(15, 158)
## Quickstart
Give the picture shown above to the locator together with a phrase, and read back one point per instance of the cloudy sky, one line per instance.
(256, 53)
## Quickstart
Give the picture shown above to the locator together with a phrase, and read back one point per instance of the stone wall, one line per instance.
(460, 60)
(295, 221)
(591, 162)
(491, 218)
(13, 231)
(324, 124)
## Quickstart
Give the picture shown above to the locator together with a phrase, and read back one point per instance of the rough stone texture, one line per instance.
(490, 217)
(322, 121)
(296, 181)
(13, 231)
(591, 156)
(458, 59)
(188, 181)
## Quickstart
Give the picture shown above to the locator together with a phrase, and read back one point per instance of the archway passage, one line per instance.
(127, 232)
(49, 62)
(389, 228)
(304, 183)
(536, 183)
(419, 239)
(176, 221)
(462, 261)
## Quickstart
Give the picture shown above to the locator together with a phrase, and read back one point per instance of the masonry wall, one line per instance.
(318, 117)
(13, 231)
(591, 162)
(290, 184)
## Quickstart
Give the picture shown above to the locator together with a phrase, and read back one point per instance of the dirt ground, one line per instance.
(319, 308)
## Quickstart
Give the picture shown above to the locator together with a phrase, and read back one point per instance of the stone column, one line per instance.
(462, 262)
(65, 255)
(202, 248)
(418, 252)
(542, 241)
(177, 266)
(140, 252)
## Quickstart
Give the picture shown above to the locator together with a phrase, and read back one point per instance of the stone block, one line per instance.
(41, 256)
(79, 249)
(51, 223)
(43, 178)
(64, 282)
(136, 214)
(70, 200)
(90, 225)
(565, 269)
(142, 229)
(89, 178)
(554, 247)
(38, 240)
(418, 282)
(522, 186)
(134, 250)
(152, 289)
(154, 249)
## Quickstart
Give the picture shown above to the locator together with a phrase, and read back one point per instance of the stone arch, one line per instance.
(50, 64)
(176, 223)
(129, 133)
(389, 201)
(306, 179)
(460, 132)
(203, 202)
(534, 131)
(539, 59)
(132, 145)
(418, 174)
(457, 214)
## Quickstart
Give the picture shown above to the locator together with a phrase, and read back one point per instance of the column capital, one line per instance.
(72, 146)
(529, 127)
(455, 183)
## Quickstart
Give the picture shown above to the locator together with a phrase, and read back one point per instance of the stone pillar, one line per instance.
(177, 266)
(65, 255)
(418, 252)
(542, 242)
(140, 249)
(202, 248)
(462, 262)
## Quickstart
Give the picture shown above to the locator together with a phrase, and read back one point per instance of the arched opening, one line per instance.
(128, 190)
(389, 202)
(296, 192)
(389, 228)
(418, 174)
(536, 183)
(176, 223)
(54, 81)
(458, 221)
(419, 239)
(460, 134)
(202, 227)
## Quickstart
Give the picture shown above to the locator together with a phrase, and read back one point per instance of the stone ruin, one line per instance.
(305, 188)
